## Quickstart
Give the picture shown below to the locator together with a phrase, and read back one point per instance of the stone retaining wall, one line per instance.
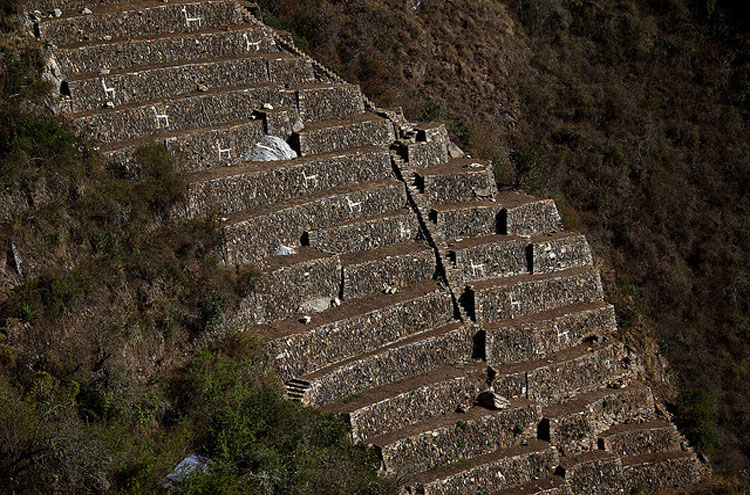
(282, 291)
(192, 112)
(493, 259)
(502, 302)
(421, 155)
(391, 365)
(331, 102)
(411, 407)
(137, 23)
(458, 187)
(559, 380)
(167, 82)
(374, 131)
(198, 150)
(536, 339)
(644, 440)
(162, 51)
(502, 473)
(462, 440)
(462, 223)
(280, 181)
(593, 474)
(398, 271)
(307, 351)
(533, 218)
(361, 236)
(255, 238)
(560, 254)
(577, 426)
(654, 473)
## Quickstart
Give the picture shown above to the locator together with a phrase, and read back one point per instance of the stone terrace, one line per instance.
(458, 327)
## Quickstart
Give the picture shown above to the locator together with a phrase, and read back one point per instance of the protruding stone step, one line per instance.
(513, 297)
(285, 283)
(181, 114)
(538, 335)
(464, 220)
(354, 328)
(565, 374)
(332, 135)
(386, 269)
(363, 235)
(635, 439)
(196, 149)
(457, 181)
(151, 20)
(499, 470)
(662, 470)
(592, 473)
(91, 59)
(154, 84)
(526, 215)
(324, 101)
(392, 407)
(552, 485)
(574, 425)
(444, 440)
(406, 359)
(257, 184)
(252, 236)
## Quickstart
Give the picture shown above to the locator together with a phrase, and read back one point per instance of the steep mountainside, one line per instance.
(632, 115)
(456, 328)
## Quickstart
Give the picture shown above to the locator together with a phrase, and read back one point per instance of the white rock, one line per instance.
(86, 11)
(109, 104)
(455, 151)
(298, 125)
(306, 320)
(189, 465)
(107, 37)
(336, 302)
(285, 251)
(267, 106)
(57, 12)
(271, 148)
(315, 305)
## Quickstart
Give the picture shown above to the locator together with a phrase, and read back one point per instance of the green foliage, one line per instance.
(260, 442)
(698, 417)
(160, 186)
(461, 129)
(290, 24)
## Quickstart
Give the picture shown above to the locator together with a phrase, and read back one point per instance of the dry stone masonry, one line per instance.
(456, 326)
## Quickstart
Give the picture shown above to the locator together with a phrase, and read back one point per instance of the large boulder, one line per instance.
(271, 148)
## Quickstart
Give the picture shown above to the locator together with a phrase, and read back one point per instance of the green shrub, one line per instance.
(698, 416)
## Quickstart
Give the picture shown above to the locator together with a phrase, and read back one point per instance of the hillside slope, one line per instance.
(633, 115)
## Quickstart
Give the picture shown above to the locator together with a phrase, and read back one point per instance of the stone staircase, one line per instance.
(457, 326)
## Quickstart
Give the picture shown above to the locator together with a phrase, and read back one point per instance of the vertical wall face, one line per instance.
(457, 326)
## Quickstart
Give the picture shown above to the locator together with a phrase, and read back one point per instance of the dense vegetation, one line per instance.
(633, 115)
(115, 362)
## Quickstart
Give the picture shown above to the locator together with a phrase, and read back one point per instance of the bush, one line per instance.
(697, 415)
